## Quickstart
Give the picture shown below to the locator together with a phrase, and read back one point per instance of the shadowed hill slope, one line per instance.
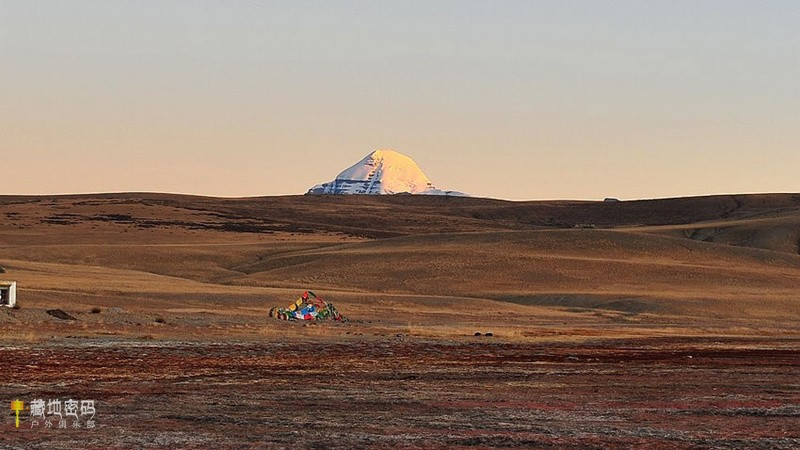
(540, 266)
(660, 256)
(387, 216)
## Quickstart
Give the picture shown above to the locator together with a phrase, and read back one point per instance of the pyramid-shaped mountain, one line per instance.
(381, 172)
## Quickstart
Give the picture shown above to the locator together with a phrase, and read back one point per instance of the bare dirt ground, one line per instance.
(656, 324)
(417, 393)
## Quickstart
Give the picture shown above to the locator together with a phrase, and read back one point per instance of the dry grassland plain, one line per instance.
(668, 323)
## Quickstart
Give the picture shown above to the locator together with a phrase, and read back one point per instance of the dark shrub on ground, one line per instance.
(59, 314)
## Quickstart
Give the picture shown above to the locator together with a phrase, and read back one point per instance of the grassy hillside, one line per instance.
(721, 256)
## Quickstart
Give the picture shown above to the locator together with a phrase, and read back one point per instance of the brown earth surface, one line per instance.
(660, 323)
(645, 393)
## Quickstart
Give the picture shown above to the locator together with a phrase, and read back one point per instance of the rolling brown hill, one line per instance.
(384, 216)
(717, 256)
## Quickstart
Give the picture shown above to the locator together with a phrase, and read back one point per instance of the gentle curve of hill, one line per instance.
(667, 256)
(387, 216)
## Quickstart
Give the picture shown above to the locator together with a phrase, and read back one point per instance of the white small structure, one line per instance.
(8, 293)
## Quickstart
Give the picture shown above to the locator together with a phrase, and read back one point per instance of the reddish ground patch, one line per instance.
(375, 393)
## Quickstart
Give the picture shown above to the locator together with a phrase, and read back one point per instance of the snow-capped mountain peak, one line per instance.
(381, 172)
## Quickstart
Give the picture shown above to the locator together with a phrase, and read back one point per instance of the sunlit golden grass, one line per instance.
(518, 283)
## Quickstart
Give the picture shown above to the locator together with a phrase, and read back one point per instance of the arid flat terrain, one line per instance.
(652, 393)
(670, 323)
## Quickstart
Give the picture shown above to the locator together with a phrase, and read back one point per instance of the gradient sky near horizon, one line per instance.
(509, 99)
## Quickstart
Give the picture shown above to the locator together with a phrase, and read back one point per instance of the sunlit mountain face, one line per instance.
(382, 172)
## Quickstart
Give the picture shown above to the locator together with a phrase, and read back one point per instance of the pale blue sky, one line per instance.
(510, 99)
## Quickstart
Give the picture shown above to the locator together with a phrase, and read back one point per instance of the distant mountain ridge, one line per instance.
(379, 173)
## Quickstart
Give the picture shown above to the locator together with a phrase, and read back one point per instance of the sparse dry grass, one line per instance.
(433, 285)
(646, 299)
(21, 335)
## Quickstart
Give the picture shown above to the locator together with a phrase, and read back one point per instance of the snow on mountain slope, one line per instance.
(382, 172)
